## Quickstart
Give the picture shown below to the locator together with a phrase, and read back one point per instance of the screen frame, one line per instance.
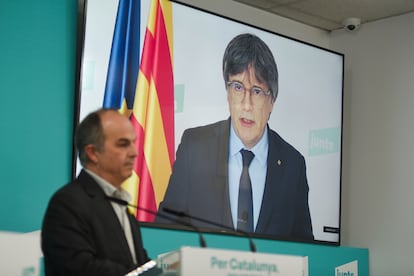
(81, 27)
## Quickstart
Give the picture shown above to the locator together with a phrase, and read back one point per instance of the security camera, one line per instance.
(351, 23)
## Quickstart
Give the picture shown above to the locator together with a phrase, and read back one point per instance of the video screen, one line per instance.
(297, 175)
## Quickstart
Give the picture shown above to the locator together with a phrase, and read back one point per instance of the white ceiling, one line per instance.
(330, 14)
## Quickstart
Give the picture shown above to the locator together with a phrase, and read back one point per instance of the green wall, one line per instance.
(37, 73)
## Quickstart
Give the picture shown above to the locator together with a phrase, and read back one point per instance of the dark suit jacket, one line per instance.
(81, 234)
(199, 184)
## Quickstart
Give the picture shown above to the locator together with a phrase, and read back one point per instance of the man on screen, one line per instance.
(238, 172)
(83, 232)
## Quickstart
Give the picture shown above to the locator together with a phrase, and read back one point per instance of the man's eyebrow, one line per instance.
(124, 140)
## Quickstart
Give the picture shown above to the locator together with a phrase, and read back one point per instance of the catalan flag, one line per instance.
(151, 104)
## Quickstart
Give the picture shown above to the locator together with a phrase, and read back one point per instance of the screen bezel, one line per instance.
(82, 15)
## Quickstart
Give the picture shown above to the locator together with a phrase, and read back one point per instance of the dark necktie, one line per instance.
(245, 208)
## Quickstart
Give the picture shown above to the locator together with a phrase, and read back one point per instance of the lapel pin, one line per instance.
(279, 162)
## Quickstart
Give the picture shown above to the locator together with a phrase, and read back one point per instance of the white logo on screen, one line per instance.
(349, 269)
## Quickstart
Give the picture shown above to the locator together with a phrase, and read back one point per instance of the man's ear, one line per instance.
(92, 153)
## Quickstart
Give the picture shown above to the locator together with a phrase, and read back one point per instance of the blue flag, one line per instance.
(123, 66)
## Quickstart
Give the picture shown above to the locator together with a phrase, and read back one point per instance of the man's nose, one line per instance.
(247, 100)
(133, 150)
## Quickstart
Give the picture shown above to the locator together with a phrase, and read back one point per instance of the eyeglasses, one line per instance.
(257, 94)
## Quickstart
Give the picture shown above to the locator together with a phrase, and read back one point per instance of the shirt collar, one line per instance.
(108, 188)
(260, 150)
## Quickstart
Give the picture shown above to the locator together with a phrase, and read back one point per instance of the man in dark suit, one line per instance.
(209, 180)
(83, 232)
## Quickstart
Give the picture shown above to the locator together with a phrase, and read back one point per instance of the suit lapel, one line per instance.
(105, 213)
(223, 134)
(272, 185)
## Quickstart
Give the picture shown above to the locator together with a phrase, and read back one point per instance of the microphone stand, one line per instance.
(202, 241)
(185, 215)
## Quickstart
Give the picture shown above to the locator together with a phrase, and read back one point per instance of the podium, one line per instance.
(190, 261)
(20, 253)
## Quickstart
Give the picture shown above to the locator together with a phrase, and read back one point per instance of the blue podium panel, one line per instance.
(322, 259)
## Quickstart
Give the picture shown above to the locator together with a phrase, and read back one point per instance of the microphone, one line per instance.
(202, 241)
(252, 245)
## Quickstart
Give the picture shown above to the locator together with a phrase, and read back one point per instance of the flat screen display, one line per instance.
(307, 112)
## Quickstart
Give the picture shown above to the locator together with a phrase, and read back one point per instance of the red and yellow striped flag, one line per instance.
(153, 112)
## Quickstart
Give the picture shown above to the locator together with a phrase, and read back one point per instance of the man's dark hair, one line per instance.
(90, 131)
(247, 50)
